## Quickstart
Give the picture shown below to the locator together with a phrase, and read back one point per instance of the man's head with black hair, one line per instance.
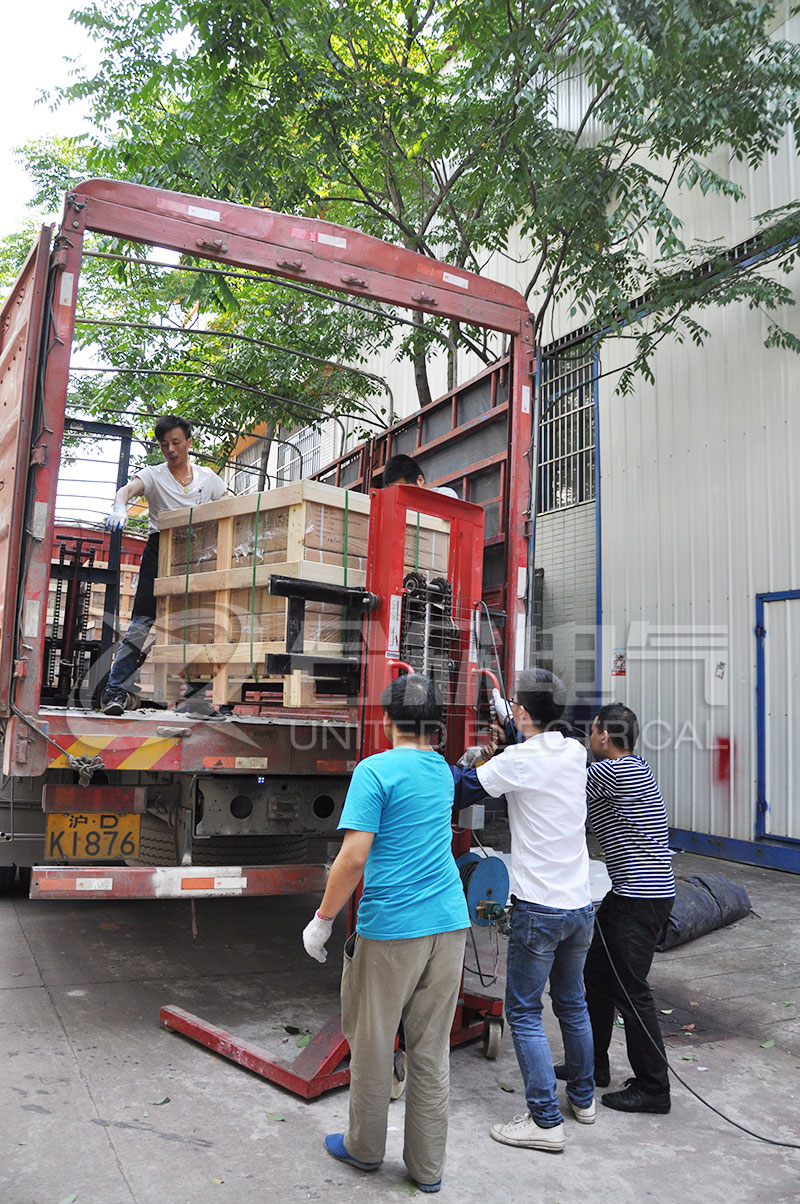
(542, 695)
(169, 422)
(615, 725)
(404, 469)
(412, 704)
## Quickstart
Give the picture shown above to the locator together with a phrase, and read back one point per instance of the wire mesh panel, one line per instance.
(567, 433)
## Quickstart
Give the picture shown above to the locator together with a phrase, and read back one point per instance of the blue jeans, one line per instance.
(546, 942)
(130, 655)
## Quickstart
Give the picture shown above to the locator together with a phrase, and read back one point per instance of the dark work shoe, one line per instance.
(602, 1077)
(114, 702)
(633, 1099)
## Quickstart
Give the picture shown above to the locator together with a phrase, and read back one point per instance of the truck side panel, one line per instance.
(21, 326)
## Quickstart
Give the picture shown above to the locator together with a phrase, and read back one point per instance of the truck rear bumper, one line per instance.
(174, 881)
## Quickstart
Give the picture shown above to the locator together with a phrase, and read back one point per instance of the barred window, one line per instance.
(299, 455)
(246, 468)
(566, 431)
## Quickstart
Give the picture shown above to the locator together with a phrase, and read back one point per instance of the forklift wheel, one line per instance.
(492, 1036)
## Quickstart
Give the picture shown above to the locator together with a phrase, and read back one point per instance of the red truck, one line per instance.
(152, 805)
(62, 761)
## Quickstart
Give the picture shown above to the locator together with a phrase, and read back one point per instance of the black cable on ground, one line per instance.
(789, 1145)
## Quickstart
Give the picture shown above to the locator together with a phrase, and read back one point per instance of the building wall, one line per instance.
(700, 497)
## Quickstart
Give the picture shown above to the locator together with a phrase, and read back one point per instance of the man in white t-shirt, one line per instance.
(168, 486)
(544, 782)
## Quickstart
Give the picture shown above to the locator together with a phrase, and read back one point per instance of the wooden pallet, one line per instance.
(216, 620)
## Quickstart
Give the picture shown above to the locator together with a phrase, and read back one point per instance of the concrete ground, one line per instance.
(99, 1105)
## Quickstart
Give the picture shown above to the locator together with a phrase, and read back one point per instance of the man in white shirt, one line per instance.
(544, 782)
(168, 486)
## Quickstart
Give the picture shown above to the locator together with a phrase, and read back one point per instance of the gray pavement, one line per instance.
(87, 1066)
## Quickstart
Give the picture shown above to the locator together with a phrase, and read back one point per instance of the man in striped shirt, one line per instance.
(628, 817)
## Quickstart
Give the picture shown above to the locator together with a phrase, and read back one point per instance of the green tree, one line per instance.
(444, 126)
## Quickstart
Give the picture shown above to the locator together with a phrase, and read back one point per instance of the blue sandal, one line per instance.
(334, 1144)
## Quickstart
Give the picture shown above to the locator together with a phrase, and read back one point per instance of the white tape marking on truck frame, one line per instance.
(66, 288)
(94, 883)
(331, 240)
(30, 619)
(211, 215)
(460, 281)
(175, 881)
(526, 399)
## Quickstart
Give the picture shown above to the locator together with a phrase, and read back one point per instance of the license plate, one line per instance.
(92, 837)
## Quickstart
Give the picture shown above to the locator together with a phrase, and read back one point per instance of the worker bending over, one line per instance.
(405, 470)
(544, 782)
(404, 961)
(168, 486)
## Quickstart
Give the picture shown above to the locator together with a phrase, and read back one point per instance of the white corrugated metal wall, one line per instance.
(700, 493)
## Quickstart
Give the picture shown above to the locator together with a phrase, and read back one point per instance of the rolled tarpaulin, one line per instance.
(703, 903)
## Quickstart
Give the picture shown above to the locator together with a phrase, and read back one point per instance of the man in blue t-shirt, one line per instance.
(404, 961)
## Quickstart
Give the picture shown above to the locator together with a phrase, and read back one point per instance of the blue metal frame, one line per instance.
(774, 856)
(762, 802)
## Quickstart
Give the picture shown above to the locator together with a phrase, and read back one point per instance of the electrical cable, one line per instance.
(791, 1145)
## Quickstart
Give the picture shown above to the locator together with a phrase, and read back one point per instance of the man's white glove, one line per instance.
(501, 708)
(315, 936)
(118, 517)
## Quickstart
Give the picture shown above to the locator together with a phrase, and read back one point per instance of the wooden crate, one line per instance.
(215, 619)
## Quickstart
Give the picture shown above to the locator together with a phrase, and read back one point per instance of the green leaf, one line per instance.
(302, 1041)
(506, 1087)
(274, 1116)
(158, 1102)
(767, 1044)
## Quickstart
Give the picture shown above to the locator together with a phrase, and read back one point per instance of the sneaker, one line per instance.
(114, 702)
(334, 1144)
(584, 1116)
(602, 1075)
(437, 1186)
(632, 1098)
(524, 1131)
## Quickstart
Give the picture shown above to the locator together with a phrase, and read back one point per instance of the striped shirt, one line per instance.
(628, 817)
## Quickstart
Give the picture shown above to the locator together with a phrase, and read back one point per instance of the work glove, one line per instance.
(118, 517)
(501, 708)
(315, 936)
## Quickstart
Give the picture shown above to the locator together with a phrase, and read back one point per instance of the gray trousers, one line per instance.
(383, 982)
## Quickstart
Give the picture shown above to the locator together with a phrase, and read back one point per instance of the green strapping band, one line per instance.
(186, 589)
(346, 534)
(346, 530)
(253, 669)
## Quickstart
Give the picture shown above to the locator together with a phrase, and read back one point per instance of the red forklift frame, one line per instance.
(318, 1067)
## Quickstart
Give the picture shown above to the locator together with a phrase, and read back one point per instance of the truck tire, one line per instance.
(157, 847)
